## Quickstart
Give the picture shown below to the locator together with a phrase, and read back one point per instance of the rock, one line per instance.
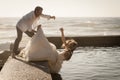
(18, 69)
(3, 57)
(5, 54)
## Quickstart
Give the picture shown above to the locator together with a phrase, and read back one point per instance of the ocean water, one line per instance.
(87, 63)
(73, 27)
(93, 63)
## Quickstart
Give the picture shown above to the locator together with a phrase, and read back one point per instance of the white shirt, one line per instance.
(29, 21)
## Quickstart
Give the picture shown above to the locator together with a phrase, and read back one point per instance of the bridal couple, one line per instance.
(39, 48)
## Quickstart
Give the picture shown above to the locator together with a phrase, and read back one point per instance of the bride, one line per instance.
(40, 49)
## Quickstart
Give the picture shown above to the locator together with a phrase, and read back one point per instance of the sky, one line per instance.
(62, 8)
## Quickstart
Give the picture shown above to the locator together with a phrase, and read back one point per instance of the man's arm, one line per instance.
(47, 16)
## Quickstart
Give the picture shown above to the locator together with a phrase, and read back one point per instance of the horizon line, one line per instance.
(68, 16)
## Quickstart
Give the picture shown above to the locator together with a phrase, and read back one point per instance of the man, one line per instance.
(27, 24)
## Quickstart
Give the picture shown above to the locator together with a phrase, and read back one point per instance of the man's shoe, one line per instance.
(17, 52)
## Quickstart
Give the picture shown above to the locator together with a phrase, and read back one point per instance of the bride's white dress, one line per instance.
(40, 49)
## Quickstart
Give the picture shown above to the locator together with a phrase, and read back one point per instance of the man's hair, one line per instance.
(38, 8)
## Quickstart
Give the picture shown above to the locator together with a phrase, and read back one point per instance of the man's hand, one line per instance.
(38, 27)
(61, 29)
(52, 17)
(33, 31)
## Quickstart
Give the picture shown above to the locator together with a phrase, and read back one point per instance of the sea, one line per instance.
(87, 63)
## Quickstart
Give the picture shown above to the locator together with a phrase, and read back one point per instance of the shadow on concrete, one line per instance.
(43, 65)
(56, 76)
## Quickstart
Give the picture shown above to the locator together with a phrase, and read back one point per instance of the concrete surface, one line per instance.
(18, 69)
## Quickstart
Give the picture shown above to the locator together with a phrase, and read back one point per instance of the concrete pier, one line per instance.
(96, 41)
